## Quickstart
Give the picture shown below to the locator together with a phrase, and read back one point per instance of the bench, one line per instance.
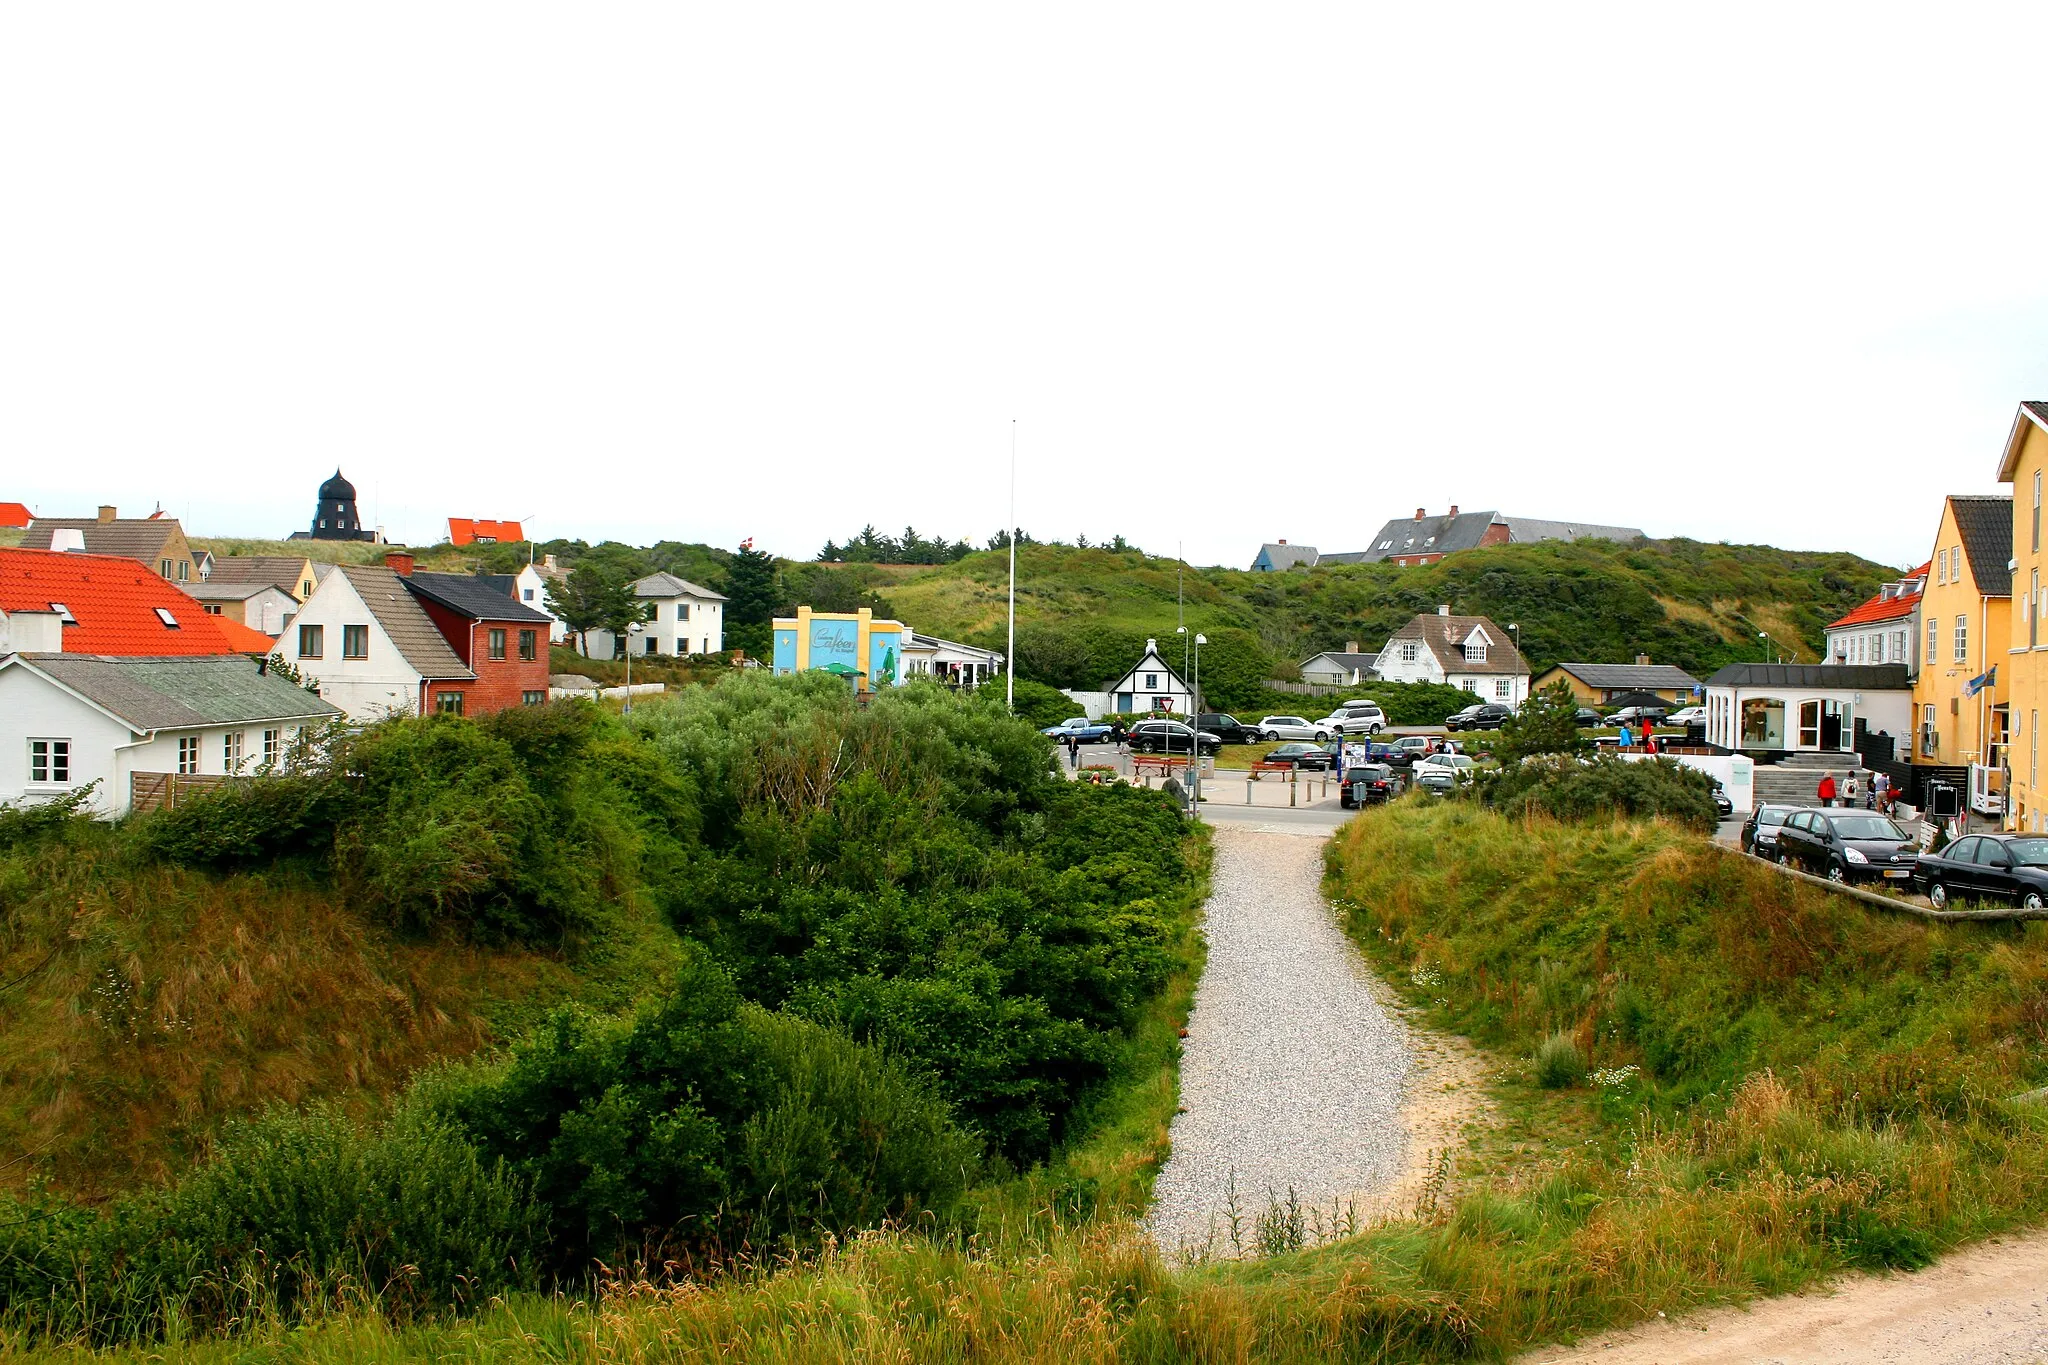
(1163, 764)
(1265, 767)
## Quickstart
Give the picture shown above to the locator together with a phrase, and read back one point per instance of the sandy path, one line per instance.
(1298, 1072)
(1988, 1303)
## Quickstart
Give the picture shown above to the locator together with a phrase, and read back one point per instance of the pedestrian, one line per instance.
(1073, 751)
(1881, 793)
(1826, 791)
(1625, 738)
(1649, 740)
(1849, 791)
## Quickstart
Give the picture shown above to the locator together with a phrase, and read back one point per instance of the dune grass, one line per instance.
(1779, 1084)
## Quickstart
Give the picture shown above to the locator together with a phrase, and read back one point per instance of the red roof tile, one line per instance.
(245, 639)
(14, 514)
(466, 530)
(1882, 608)
(114, 601)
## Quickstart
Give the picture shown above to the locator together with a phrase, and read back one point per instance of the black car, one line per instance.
(1306, 756)
(1636, 715)
(1846, 846)
(1586, 718)
(1171, 737)
(1987, 867)
(1722, 804)
(1367, 784)
(1760, 830)
(1486, 716)
(1227, 728)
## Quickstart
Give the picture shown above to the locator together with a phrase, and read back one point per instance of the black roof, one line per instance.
(1986, 524)
(337, 489)
(1875, 677)
(472, 597)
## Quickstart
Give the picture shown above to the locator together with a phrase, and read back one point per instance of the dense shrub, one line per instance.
(1607, 785)
(1039, 705)
(700, 1123)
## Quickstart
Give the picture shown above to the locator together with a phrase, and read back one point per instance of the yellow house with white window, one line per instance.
(1959, 715)
(2024, 675)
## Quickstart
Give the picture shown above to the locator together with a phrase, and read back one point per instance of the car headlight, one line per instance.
(1855, 855)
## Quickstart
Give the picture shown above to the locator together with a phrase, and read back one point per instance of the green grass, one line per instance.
(1784, 1084)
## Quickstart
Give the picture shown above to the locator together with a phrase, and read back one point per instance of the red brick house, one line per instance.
(502, 641)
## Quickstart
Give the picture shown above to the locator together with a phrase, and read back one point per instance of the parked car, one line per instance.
(1846, 846)
(1227, 728)
(1687, 716)
(1409, 749)
(1081, 728)
(1305, 756)
(1367, 784)
(1355, 718)
(1291, 727)
(1987, 867)
(1484, 716)
(1586, 718)
(1760, 830)
(1440, 773)
(1722, 805)
(1636, 715)
(1171, 737)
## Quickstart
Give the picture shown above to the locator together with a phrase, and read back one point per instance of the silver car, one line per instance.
(1292, 727)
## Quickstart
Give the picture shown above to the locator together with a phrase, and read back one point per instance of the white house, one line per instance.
(1806, 708)
(1886, 628)
(1150, 686)
(948, 661)
(70, 719)
(1346, 667)
(371, 646)
(259, 606)
(1468, 652)
(529, 588)
(682, 618)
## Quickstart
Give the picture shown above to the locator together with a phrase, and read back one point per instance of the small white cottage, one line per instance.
(1150, 686)
(1776, 709)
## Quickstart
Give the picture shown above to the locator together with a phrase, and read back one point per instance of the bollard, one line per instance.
(1293, 784)
(1248, 791)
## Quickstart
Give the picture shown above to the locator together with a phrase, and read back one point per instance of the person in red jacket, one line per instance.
(1827, 789)
(1649, 740)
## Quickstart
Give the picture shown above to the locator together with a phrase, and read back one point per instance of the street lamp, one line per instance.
(633, 629)
(1194, 745)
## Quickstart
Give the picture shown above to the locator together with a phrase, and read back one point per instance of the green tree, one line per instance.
(594, 598)
(1545, 724)
(751, 595)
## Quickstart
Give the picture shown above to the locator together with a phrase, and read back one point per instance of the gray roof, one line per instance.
(210, 591)
(281, 571)
(668, 585)
(1522, 530)
(1874, 677)
(1344, 660)
(1448, 534)
(180, 693)
(474, 597)
(1280, 556)
(1649, 677)
(130, 537)
(1986, 524)
(1445, 637)
(506, 583)
(405, 621)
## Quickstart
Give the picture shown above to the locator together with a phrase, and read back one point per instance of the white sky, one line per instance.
(708, 271)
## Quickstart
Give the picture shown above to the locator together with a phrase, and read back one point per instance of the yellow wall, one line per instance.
(2024, 678)
(1586, 695)
(1965, 727)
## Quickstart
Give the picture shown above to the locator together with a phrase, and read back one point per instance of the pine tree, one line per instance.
(750, 591)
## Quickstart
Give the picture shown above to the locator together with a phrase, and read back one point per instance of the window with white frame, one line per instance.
(1503, 689)
(270, 748)
(1475, 651)
(49, 761)
(231, 751)
(1471, 685)
(188, 754)
(1410, 651)
(1933, 640)
(1962, 638)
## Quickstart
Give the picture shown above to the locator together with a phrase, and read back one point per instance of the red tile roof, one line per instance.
(245, 639)
(13, 514)
(466, 530)
(114, 601)
(1882, 608)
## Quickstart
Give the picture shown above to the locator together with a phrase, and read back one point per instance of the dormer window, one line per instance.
(1429, 540)
(1475, 651)
(163, 614)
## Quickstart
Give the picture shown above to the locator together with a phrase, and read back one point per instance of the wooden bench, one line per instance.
(1264, 767)
(1163, 764)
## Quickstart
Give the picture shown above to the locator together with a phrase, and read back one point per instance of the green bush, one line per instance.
(1038, 705)
(1604, 786)
(1559, 1063)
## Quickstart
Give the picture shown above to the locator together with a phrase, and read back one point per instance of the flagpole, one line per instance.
(1010, 658)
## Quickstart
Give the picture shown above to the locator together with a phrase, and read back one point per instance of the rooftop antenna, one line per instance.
(1010, 658)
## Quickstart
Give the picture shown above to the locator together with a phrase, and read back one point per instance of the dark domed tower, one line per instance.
(335, 517)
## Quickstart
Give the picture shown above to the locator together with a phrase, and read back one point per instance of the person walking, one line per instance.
(1649, 738)
(1625, 738)
(1881, 793)
(1073, 751)
(1826, 791)
(1849, 791)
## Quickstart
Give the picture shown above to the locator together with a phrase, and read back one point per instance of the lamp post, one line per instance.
(633, 630)
(1194, 708)
(1195, 756)
(1516, 631)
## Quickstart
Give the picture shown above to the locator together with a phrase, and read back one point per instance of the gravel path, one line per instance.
(1293, 1073)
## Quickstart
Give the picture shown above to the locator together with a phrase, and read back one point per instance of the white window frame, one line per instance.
(54, 756)
(1962, 639)
(188, 755)
(231, 750)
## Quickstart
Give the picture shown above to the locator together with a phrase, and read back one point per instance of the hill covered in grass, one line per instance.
(1081, 614)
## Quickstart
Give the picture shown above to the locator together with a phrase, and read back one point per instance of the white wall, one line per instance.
(1735, 773)
(1888, 710)
(365, 689)
(1486, 686)
(1094, 705)
(531, 590)
(705, 630)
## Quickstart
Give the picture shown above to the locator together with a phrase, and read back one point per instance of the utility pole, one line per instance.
(1010, 658)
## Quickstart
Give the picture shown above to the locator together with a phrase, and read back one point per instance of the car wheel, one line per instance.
(1837, 873)
(1372, 730)
(2030, 900)
(1938, 894)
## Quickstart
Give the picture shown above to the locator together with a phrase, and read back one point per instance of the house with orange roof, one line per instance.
(14, 516)
(65, 603)
(479, 531)
(1885, 629)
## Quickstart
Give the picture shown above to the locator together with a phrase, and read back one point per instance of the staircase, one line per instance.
(1791, 782)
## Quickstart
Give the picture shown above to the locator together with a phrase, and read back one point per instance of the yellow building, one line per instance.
(1959, 708)
(2025, 679)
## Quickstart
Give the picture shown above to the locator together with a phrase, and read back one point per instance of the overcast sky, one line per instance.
(701, 272)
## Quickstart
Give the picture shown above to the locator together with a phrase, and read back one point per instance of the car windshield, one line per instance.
(1767, 816)
(1867, 827)
(2028, 852)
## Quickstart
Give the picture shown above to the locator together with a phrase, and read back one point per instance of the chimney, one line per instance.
(1454, 509)
(1643, 660)
(1283, 540)
(68, 540)
(1443, 611)
(1418, 513)
(1351, 646)
(399, 562)
(31, 632)
(106, 512)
